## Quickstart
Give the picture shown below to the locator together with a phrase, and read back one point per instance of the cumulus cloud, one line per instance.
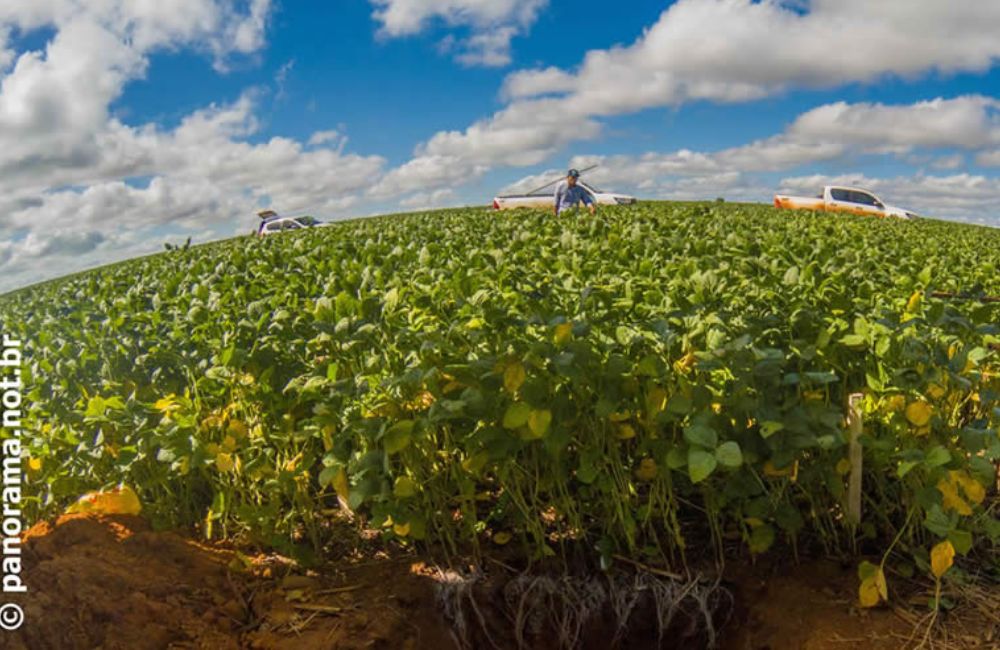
(78, 186)
(492, 24)
(737, 51)
(834, 133)
(831, 132)
(429, 200)
(989, 158)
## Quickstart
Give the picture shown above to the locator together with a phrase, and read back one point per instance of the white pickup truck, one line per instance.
(843, 199)
(539, 199)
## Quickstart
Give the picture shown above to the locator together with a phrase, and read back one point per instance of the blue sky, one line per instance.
(183, 119)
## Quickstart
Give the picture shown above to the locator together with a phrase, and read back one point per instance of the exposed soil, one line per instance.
(112, 583)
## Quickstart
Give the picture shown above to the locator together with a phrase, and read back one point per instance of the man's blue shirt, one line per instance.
(568, 197)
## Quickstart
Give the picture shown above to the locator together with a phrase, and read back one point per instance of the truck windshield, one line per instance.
(307, 221)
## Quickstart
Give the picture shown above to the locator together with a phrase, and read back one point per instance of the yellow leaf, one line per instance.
(935, 391)
(563, 333)
(942, 557)
(401, 529)
(685, 363)
(919, 413)
(166, 404)
(868, 592)
(539, 421)
(656, 401)
(624, 431)
(237, 429)
(501, 538)
(340, 484)
(328, 431)
(973, 489)
(120, 501)
(913, 304)
(646, 470)
(771, 470)
(880, 584)
(473, 464)
(951, 499)
(224, 462)
(405, 487)
(843, 466)
(229, 443)
(513, 376)
(895, 403)
(620, 416)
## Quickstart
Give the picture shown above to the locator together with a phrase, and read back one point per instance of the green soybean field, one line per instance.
(669, 383)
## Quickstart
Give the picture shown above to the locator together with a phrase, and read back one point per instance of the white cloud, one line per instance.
(492, 23)
(832, 132)
(835, 133)
(64, 202)
(429, 200)
(969, 122)
(955, 161)
(989, 158)
(741, 50)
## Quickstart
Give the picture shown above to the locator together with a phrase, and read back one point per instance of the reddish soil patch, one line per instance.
(807, 607)
(113, 583)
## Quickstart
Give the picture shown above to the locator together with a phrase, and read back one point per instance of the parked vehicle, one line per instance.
(543, 197)
(271, 222)
(843, 199)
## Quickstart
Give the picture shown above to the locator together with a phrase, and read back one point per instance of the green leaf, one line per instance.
(854, 341)
(961, 540)
(677, 457)
(700, 464)
(397, 438)
(905, 466)
(936, 457)
(327, 475)
(770, 427)
(761, 538)
(729, 455)
(938, 522)
(517, 415)
(866, 570)
(679, 404)
(700, 434)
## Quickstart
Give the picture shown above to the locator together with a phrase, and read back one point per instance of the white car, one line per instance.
(274, 224)
(539, 199)
(843, 199)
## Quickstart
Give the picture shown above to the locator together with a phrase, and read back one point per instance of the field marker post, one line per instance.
(855, 426)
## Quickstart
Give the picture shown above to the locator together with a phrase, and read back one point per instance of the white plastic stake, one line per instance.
(855, 426)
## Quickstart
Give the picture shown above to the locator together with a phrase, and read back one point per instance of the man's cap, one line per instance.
(574, 173)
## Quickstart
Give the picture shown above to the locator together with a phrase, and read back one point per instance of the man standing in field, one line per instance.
(569, 194)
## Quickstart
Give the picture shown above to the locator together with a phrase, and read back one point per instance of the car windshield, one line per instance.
(307, 221)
